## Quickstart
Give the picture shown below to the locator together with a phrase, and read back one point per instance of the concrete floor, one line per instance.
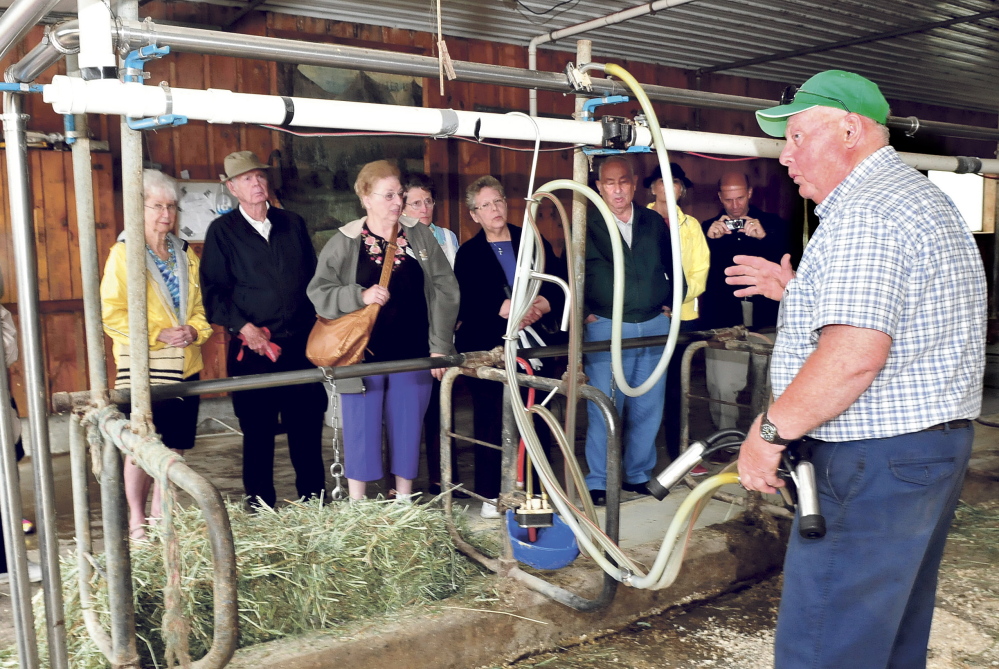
(217, 455)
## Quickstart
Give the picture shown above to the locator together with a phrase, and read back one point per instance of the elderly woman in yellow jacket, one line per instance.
(177, 329)
(695, 259)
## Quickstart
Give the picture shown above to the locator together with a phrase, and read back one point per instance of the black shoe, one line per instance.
(637, 488)
(599, 497)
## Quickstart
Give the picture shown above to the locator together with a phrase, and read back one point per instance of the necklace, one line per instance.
(496, 245)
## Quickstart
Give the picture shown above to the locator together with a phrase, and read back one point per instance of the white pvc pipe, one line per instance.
(96, 49)
(75, 96)
(592, 24)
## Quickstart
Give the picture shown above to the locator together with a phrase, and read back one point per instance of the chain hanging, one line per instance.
(336, 469)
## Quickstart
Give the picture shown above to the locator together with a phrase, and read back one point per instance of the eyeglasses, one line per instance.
(391, 196)
(495, 204)
(160, 208)
(415, 204)
(788, 94)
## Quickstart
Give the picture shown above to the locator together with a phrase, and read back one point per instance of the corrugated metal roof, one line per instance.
(953, 65)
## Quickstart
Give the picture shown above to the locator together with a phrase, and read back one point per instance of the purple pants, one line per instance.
(398, 400)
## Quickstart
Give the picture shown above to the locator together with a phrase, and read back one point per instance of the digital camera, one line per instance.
(735, 223)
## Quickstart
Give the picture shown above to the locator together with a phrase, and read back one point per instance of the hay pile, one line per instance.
(304, 568)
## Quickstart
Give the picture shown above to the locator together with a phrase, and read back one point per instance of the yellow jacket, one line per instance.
(695, 259)
(114, 305)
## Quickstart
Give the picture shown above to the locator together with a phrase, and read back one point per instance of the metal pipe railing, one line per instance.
(34, 371)
(76, 401)
(64, 38)
(20, 17)
(84, 539)
(135, 261)
(115, 430)
(86, 229)
(576, 265)
(16, 553)
(59, 40)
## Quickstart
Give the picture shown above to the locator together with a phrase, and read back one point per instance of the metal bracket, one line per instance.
(134, 72)
(579, 81)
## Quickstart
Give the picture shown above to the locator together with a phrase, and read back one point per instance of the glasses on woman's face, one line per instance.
(420, 204)
(391, 195)
(495, 204)
(160, 208)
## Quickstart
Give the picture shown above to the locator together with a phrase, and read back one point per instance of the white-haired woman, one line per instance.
(177, 329)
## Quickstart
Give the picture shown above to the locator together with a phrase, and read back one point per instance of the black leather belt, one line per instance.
(951, 425)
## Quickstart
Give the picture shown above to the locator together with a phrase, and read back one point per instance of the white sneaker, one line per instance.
(489, 510)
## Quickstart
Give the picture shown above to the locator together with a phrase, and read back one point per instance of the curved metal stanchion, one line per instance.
(113, 426)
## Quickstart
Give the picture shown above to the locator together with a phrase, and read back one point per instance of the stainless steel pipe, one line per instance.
(20, 17)
(25, 255)
(64, 38)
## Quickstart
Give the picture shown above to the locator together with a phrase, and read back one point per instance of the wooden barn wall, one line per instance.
(199, 148)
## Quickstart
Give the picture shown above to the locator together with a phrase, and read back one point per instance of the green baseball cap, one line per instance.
(832, 88)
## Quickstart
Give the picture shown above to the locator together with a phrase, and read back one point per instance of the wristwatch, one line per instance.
(768, 431)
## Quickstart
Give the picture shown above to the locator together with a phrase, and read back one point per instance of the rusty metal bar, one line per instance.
(114, 428)
(84, 541)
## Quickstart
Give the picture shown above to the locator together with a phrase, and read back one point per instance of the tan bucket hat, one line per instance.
(241, 162)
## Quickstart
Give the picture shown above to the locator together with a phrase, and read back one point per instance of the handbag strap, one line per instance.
(386, 264)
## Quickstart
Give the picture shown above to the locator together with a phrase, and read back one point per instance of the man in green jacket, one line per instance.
(648, 291)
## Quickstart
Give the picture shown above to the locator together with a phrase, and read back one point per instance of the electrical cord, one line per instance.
(414, 134)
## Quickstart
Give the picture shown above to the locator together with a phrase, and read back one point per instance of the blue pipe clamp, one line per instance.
(134, 72)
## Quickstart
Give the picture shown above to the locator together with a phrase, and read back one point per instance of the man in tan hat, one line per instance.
(256, 264)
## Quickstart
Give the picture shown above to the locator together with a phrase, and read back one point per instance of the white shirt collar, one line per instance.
(263, 227)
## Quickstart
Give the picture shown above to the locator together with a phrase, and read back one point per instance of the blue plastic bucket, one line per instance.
(555, 548)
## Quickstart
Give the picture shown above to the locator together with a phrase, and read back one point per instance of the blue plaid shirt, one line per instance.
(891, 254)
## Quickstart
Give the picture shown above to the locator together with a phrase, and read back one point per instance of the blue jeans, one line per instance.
(862, 597)
(641, 416)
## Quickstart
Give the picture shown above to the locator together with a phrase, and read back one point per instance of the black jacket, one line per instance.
(483, 289)
(247, 279)
(648, 267)
(719, 307)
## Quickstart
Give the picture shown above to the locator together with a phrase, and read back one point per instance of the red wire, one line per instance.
(724, 160)
(361, 133)
(522, 448)
(532, 532)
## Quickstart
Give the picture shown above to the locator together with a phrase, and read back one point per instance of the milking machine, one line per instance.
(796, 469)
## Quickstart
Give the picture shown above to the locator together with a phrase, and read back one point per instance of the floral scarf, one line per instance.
(375, 245)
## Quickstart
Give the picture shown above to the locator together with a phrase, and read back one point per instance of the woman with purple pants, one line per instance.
(418, 312)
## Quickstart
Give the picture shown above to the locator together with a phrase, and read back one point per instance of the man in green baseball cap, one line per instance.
(860, 377)
(832, 88)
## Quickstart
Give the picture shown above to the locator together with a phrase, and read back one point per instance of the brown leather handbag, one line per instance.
(342, 341)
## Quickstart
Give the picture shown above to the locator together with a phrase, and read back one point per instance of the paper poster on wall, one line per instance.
(201, 202)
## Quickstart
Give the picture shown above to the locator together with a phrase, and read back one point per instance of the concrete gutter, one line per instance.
(720, 558)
